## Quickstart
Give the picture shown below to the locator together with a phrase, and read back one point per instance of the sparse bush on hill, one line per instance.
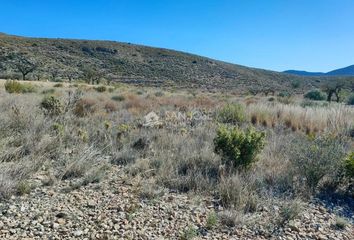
(317, 159)
(12, 86)
(351, 99)
(58, 85)
(349, 165)
(52, 106)
(48, 91)
(85, 107)
(232, 113)
(233, 192)
(295, 83)
(110, 106)
(238, 147)
(101, 88)
(284, 94)
(118, 98)
(316, 95)
(159, 94)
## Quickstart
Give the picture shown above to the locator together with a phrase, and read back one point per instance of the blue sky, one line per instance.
(313, 35)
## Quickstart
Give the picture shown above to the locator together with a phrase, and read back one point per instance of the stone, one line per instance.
(61, 221)
(91, 204)
(293, 226)
(78, 233)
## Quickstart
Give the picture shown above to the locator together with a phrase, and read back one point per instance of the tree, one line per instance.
(92, 75)
(110, 78)
(335, 86)
(54, 73)
(71, 74)
(2, 60)
(23, 64)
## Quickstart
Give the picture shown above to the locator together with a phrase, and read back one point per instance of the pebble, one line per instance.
(114, 210)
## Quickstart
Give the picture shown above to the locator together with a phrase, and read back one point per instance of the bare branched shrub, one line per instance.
(317, 159)
(85, 107)
(77, 165)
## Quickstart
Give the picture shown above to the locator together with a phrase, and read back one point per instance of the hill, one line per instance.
(346, 71)
(304, 73)
(58, 59)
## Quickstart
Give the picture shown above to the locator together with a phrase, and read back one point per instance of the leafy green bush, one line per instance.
(238, 147)
(58, 85)
(317, 159)
(23, 187)
(232, 113)
(48, 91)
(315, 95)
(58, 128)
(52, 106)
(295, 83)
(284, 94)
(349, 165)
(308, 103)
(351, 100)
(159, 94)
(212, 220)
(101, 88)
(118, 98)
(12, 86)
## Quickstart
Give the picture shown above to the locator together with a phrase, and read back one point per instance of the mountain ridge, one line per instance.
(57, 58)
(345, 71)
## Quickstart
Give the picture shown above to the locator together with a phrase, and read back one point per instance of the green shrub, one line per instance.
(23, 187)
(309, 103)
(315, 95)
(189, 233)
(12, 86)
(295, 83)
(58, 85)
(238, 147)
(232, 113)
(349, 165)
(118, 98)
(48, 91)
(341, 223)
(351, 100)
(159, 94)
(58, 128)
(290, 211)
(52, 106)
(284, 94)
(140, 92)
(212, 220)
(101, 88)
(317, 159)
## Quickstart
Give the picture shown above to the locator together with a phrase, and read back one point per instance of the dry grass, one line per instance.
(95, 131)
(309, 119)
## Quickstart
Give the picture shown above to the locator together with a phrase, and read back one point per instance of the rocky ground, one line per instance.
(114, 209)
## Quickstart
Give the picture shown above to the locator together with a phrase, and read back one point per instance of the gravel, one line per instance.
(113, 209)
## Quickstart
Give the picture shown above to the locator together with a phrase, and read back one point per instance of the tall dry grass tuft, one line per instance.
(309, 119)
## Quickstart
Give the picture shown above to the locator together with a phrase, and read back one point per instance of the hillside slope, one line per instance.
(60, 58)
